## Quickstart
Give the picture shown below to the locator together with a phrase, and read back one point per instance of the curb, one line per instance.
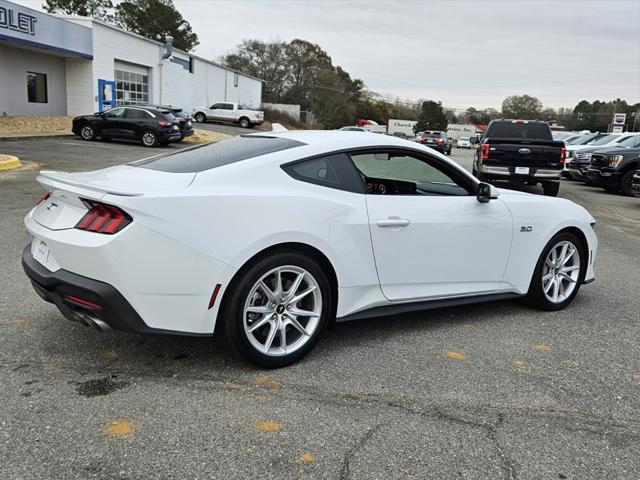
(9, 162)
(31, 136)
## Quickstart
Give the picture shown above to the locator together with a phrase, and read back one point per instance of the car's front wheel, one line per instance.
(276, 311)
(626, 184)
(87, 132)
(559, 273)
(200, 117)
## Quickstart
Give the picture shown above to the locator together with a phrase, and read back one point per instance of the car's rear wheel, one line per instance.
(277, 310)
(244, 122)
(149, 139)
(551, 189)
(87, 132)
(559, 273)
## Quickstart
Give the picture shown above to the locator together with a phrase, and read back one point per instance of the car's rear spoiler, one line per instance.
(65, 181)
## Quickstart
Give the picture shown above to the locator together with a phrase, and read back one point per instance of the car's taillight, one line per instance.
(485, 151)
(43, 198)
(563, 155)
(103, 218)
(438, 140)
(162, 123)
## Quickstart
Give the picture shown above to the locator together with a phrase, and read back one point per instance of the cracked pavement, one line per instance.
(494, 390)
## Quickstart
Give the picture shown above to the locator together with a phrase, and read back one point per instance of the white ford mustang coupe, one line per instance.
(269, 238)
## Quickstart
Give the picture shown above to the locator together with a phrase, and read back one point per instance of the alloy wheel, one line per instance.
(282, 310)
(86, 132)
(149, 139)
(561, 272)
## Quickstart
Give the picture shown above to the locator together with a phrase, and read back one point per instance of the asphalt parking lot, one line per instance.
(489, 391)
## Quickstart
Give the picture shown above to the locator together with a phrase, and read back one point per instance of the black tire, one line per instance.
(551, 189)
(231, 329)
(200, 117)
(149, 138)
(626, 183)
(244, 122)
(87, 132)
(536, 296)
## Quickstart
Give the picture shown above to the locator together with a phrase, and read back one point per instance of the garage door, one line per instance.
(132, 84)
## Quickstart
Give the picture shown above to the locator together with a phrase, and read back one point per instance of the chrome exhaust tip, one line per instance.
(89, 321)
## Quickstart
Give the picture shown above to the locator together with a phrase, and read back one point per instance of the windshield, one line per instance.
(630, 142)
(604, 140)
(571, 139)
(463, 139)
(585, 139)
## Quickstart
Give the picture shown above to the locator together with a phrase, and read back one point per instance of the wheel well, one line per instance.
(308, 250)
(581, 236)
(632, 165)
(244, 116)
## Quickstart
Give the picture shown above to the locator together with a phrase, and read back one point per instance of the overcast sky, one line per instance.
(463, 53)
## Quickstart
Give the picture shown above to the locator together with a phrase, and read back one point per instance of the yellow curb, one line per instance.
(9, 162)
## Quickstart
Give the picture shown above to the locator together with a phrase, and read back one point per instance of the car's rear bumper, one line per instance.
(83, 299)
(510, 171)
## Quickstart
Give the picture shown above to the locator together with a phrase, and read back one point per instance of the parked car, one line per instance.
(614, 169)
(126, 247)
(520, 151)
(229, 112)
(150, 125)
(464, 142)
(435, 139)
(598, 140)
(185, 120)
(578, 166)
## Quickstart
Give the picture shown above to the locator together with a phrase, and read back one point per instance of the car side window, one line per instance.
(216, 106)
(227, 106)
(114, 113)
(333, 171)
(135, 113)
(402, 173)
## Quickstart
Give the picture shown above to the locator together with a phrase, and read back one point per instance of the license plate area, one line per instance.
(40, 251)
(522, 170)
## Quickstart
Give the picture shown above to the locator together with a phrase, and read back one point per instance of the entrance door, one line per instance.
(431, 237)
(106, 94)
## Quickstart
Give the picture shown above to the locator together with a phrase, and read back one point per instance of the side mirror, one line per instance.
(486, 192)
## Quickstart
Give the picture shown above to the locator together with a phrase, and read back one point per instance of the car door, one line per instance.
(431, 237)
(112, 125)
(134, 121)
(218, 112)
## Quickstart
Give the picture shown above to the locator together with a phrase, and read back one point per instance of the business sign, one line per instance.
(17, 21)
(23, 26)
(619, 118)
(401, 126)
(617, 129)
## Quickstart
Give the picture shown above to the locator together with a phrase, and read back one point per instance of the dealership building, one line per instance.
(63, 65)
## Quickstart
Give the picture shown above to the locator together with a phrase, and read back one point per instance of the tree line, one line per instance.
(301, 72)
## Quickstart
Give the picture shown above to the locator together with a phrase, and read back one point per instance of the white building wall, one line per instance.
(14, 65)
(80, 92)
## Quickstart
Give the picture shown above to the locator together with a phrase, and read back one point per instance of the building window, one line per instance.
(37, 87)
(235, 79)
(131, 88)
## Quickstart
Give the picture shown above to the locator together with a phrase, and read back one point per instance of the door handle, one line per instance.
(393, 222)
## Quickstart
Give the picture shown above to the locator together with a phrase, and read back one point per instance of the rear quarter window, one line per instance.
(206, 157)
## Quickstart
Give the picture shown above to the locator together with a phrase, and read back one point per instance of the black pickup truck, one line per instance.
(520, 151)
(613, 169)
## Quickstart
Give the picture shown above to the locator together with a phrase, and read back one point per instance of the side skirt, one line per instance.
(399, 308)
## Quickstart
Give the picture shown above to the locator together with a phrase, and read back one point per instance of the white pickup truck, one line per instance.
(229, 112)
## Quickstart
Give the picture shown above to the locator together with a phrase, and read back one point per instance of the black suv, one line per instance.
(149, 125)
(185, 120)
(581, 161)
(520, 151)
(614, 168)
(435, 139)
